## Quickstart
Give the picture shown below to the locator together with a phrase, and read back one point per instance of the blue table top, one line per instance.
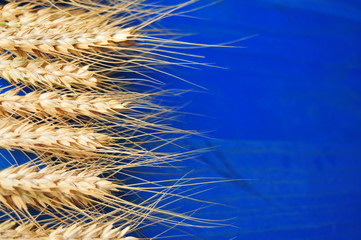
(286, 113)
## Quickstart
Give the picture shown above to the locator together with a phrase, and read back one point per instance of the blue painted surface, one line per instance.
(286, 114)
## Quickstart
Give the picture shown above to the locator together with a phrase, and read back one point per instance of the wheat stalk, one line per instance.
(11, 230)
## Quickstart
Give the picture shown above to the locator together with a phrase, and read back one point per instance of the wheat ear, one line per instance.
(56, 190)
(13, 231)
(84, 144)
(108, 42)
(131, 110)
(63, 106)
(21, 41)
(28, 185)
(48, 75)
(95, 231)
(16, 14)
(61, 31)
(68, 193)
(36, 16)
(59, 74)
(62, 141)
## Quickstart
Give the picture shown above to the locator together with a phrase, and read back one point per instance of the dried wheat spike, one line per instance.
(121, 43)
(49, 75)
(84, 144)
(60, 30)
(36, 17)
(39, 41)
(63, 106)
(58, 190)
(94, 231)
(130, 111)
(50, 186)
(61, 141)
(69, 193)
(13, 231)
(15, 14)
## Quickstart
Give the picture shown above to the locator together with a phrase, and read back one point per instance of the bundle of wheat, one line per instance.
(82, 120)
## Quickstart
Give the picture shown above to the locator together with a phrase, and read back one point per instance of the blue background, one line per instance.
(285, 114)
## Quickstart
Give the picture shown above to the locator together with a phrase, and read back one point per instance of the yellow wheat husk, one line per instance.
(38, 43)
(15, 14)
(27, 185)
(37, 18)
(70, 76)
(61, 141)
(107, 40)
(55, 34)
(64, 106)
(50, 75)
(12, 230)
(57, 190)
(85, 144)
(60, 192)
(129, 110)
